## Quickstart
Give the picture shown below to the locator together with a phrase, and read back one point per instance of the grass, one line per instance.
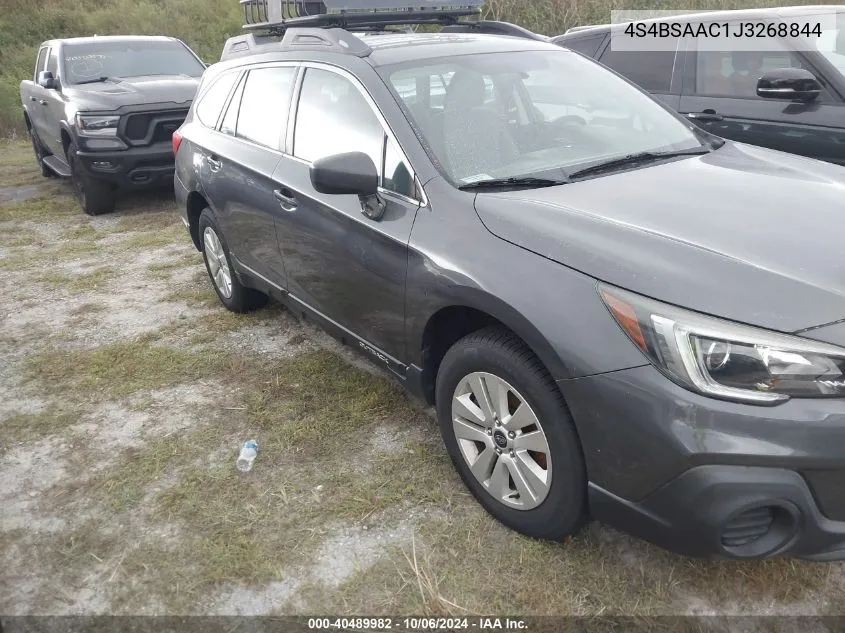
(44, 209)
(120, 369)
(311, 414)
(82, 282)
(24, 427)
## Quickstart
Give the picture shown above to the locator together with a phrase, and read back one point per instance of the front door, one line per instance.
(347, 267)
(720, 95)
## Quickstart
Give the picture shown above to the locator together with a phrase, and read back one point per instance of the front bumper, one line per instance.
(136, 167)
(716, 511)
(678, 469)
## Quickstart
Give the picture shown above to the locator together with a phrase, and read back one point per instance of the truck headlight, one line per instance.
(725, 359)
(94, 125)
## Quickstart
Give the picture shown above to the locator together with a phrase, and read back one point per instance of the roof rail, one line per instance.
(586, 27)
(275, 16)
(336, 40)
(491, 27)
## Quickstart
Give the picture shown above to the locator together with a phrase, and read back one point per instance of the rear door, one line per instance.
(720, 95)
(345, 266)
(246, 153)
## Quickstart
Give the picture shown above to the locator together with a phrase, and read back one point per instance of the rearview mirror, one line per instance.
(46, 80)
(353, 173)
(793, 84)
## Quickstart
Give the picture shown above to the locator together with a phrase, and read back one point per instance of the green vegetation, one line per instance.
(205, 25)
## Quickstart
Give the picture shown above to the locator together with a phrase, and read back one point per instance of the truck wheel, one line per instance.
(510, 435)
(39, 154)
(95, 196)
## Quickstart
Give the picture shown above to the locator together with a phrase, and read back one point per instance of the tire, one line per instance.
(558, 507)
(218, 264)
(38, 149)
(95, 196)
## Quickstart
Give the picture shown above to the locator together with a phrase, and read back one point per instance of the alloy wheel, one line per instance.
(218, 265)
(502, 441)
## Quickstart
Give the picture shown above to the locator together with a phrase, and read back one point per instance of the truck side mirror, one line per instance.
(794, 84)
(47, 81)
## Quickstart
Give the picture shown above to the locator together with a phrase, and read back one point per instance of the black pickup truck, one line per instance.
(102, 111)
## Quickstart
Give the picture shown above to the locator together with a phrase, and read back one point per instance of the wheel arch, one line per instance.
(476, 310)
(194, 206)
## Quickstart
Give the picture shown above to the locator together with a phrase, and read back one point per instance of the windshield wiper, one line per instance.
(634, 159)
(523, 181)
(96, 80)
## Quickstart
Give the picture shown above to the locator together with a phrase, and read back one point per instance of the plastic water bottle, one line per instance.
(248, 452)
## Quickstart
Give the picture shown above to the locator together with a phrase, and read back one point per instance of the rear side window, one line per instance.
(585, 45)
(212, 100)
(265, 105)
(650, 70)
(230, 120)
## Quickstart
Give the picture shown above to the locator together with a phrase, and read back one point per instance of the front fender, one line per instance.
(455, 261)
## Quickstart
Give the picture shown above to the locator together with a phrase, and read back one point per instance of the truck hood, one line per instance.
(174, 90)
(743, 233)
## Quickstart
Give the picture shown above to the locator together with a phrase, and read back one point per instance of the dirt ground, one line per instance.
(126, 392)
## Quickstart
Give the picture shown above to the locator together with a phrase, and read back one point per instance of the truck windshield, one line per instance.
(539, 114)
(128, 58)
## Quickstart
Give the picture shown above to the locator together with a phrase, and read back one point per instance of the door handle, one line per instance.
(286, 199)
(706, 115)
(42, 102)
(213, 163)
(33, 99)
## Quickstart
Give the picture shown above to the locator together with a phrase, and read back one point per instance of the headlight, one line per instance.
(93, 125)
(725, 359)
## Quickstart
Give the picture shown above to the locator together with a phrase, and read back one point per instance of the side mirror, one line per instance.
(353, 173)
(46, 80)
(792, 84)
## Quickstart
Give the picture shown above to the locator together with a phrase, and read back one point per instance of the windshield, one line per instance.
(127, 58)
(831, 44)
(530, 113)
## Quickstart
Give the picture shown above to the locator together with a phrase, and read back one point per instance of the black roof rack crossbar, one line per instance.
(275, 16)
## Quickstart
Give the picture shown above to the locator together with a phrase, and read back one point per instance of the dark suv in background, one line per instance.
(616, 314)
(719, 90)
(102, 111)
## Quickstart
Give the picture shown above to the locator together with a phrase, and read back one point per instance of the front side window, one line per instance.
(333, 117)
(128, 58)
(41, 62)
(552, 112)
(53, 63)
(831, 44)
(265, 105)
(735, 73)
(650, 70)
(212, 100)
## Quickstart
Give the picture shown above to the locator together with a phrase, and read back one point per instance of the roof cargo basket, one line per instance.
(276, 16)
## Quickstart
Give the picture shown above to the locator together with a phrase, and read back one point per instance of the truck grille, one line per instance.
(146, 128)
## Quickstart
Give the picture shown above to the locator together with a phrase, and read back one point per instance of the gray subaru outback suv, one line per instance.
(617, 315)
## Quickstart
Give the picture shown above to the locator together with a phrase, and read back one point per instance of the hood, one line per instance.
(110, 95)
(743, 233)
